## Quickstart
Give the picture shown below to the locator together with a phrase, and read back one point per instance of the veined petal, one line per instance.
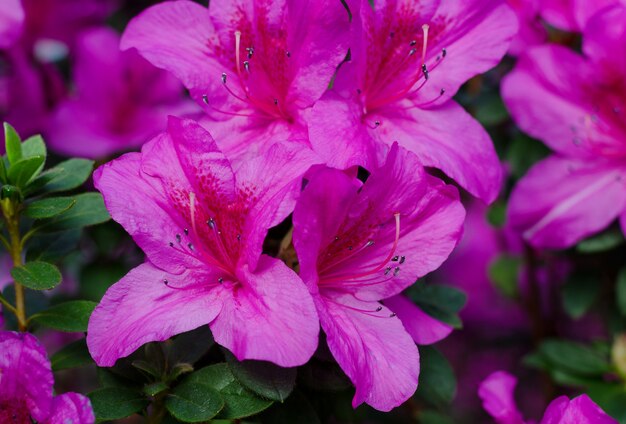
(148, 305)
(11, 22)
(496, 392)
(581, 409)
(604, 41)
(561, 201)
(71, 408)
(25, 374)
(269, 317)
(373, 349)
(422, 327)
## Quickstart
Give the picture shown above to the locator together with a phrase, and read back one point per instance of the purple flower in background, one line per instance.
(496, 392)
(121, 100)
(531, 30)
(573, 15)
(26, 386)
(361, 243)
(202, 228)
(11, 22)
(407, 59)
(254, 65)
(577, 106)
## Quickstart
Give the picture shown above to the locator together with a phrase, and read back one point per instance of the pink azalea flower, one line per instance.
(11, 22)
(202, 228)
(531, 30)
(496, 392)
(573, 15)
(361, 243)
(26, 386)
(407, 60)
(576, 105)
(254, 65)
(121, 100)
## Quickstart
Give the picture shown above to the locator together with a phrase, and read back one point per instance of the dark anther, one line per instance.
(424, 70)
(223, 77)
(238, 237)
(358, 91)
(276, 102)
(387, 270)
(288, 54)
(395, 258)
(442, 92)
(376, 124)
(396, 271)
(392, 315)
(178, 238)
(444, 52)
(380, 308)
(412, 52)
(220, 280)
(412, 43)
(205, 99)
(211, 223)
(171, 244)
(391, 34)
(190, 246)
(246, 65)
(350, 247)
(370, 243)
(165, 282)
(186, 230)
(402, 259)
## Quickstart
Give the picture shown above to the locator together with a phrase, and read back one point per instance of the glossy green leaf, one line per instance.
(574, 358)
(53, 246)
(504, 273)
(66, 176)
(439, 301)
(113, 403)
(579, 294)
(602, 242)
(37, 275)
(34, 146)
(154, 389)
(88, 210)
(264, 378)
(620, 288)
(194, 402)
(238, 401)
(437, 383)
(71, 316)
(12, 144)
(22, 171)
(47, 208)
(73, 355)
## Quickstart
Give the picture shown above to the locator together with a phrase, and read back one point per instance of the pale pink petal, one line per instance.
(433, 135)
(545, 97)
(496, 393)
(422, 327)
(71, 408)
(143, 208)
(581, 410)
(11, 22)
(268, 316)
(148, 305)
(25, 374)
(372, 348)
(561, 201)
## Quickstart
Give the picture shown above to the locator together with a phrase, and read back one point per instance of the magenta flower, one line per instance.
(576, 105)
(121, 100)
(496, 392)
(202, 228)
(26, 386)
(254, 65)
(407, 59)
(11, 22)
(422, 328)
(361, 243)
(531, 29)
(573, 15)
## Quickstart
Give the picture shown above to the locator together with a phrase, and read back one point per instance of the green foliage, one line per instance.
(12, 144)
(504, 273)
(73, 355)
(37, 275)
(437, 383)
(194, 402)
(114, 403)
(621, 291)
(439, 301)
(579, 294)
(47, 208)
(607, 240)
(70, 316)
(88, 210)
(263, 378)
(66, 176)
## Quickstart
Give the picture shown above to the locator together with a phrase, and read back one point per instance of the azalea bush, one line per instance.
(292, 211)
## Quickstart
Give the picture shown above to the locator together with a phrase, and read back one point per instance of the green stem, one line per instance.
(7, 304)
(158, 409)
(11, 216)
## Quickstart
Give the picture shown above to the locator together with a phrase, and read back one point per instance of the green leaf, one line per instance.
(21, 172)
(34, 146)
(439, 301)
(154, 389)
(437, 383)
(579, 294)
(88, 210)
(492, 111)
(3, 170)
(53, 246)
(37, 275)
(47, 208)
(194, 402)
(523, 153)
(114, 403)
(12, 143)
(504, 273)
(264, 378)
(434, 417)
(71, 317)
(574, 358)
(190, 346)
(238, 401)
(496, 215)
(66, 176)
(621, 291)
(602, 242)
(73, 355)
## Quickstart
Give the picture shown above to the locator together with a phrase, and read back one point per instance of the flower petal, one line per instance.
(603, 42)
(581, 409)
(270, 317)
(372, 348)
(149, 305)
(11, 22)
(496, 393)
(422, 327)
(71, 408)
(25, 373)
(561, 201)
